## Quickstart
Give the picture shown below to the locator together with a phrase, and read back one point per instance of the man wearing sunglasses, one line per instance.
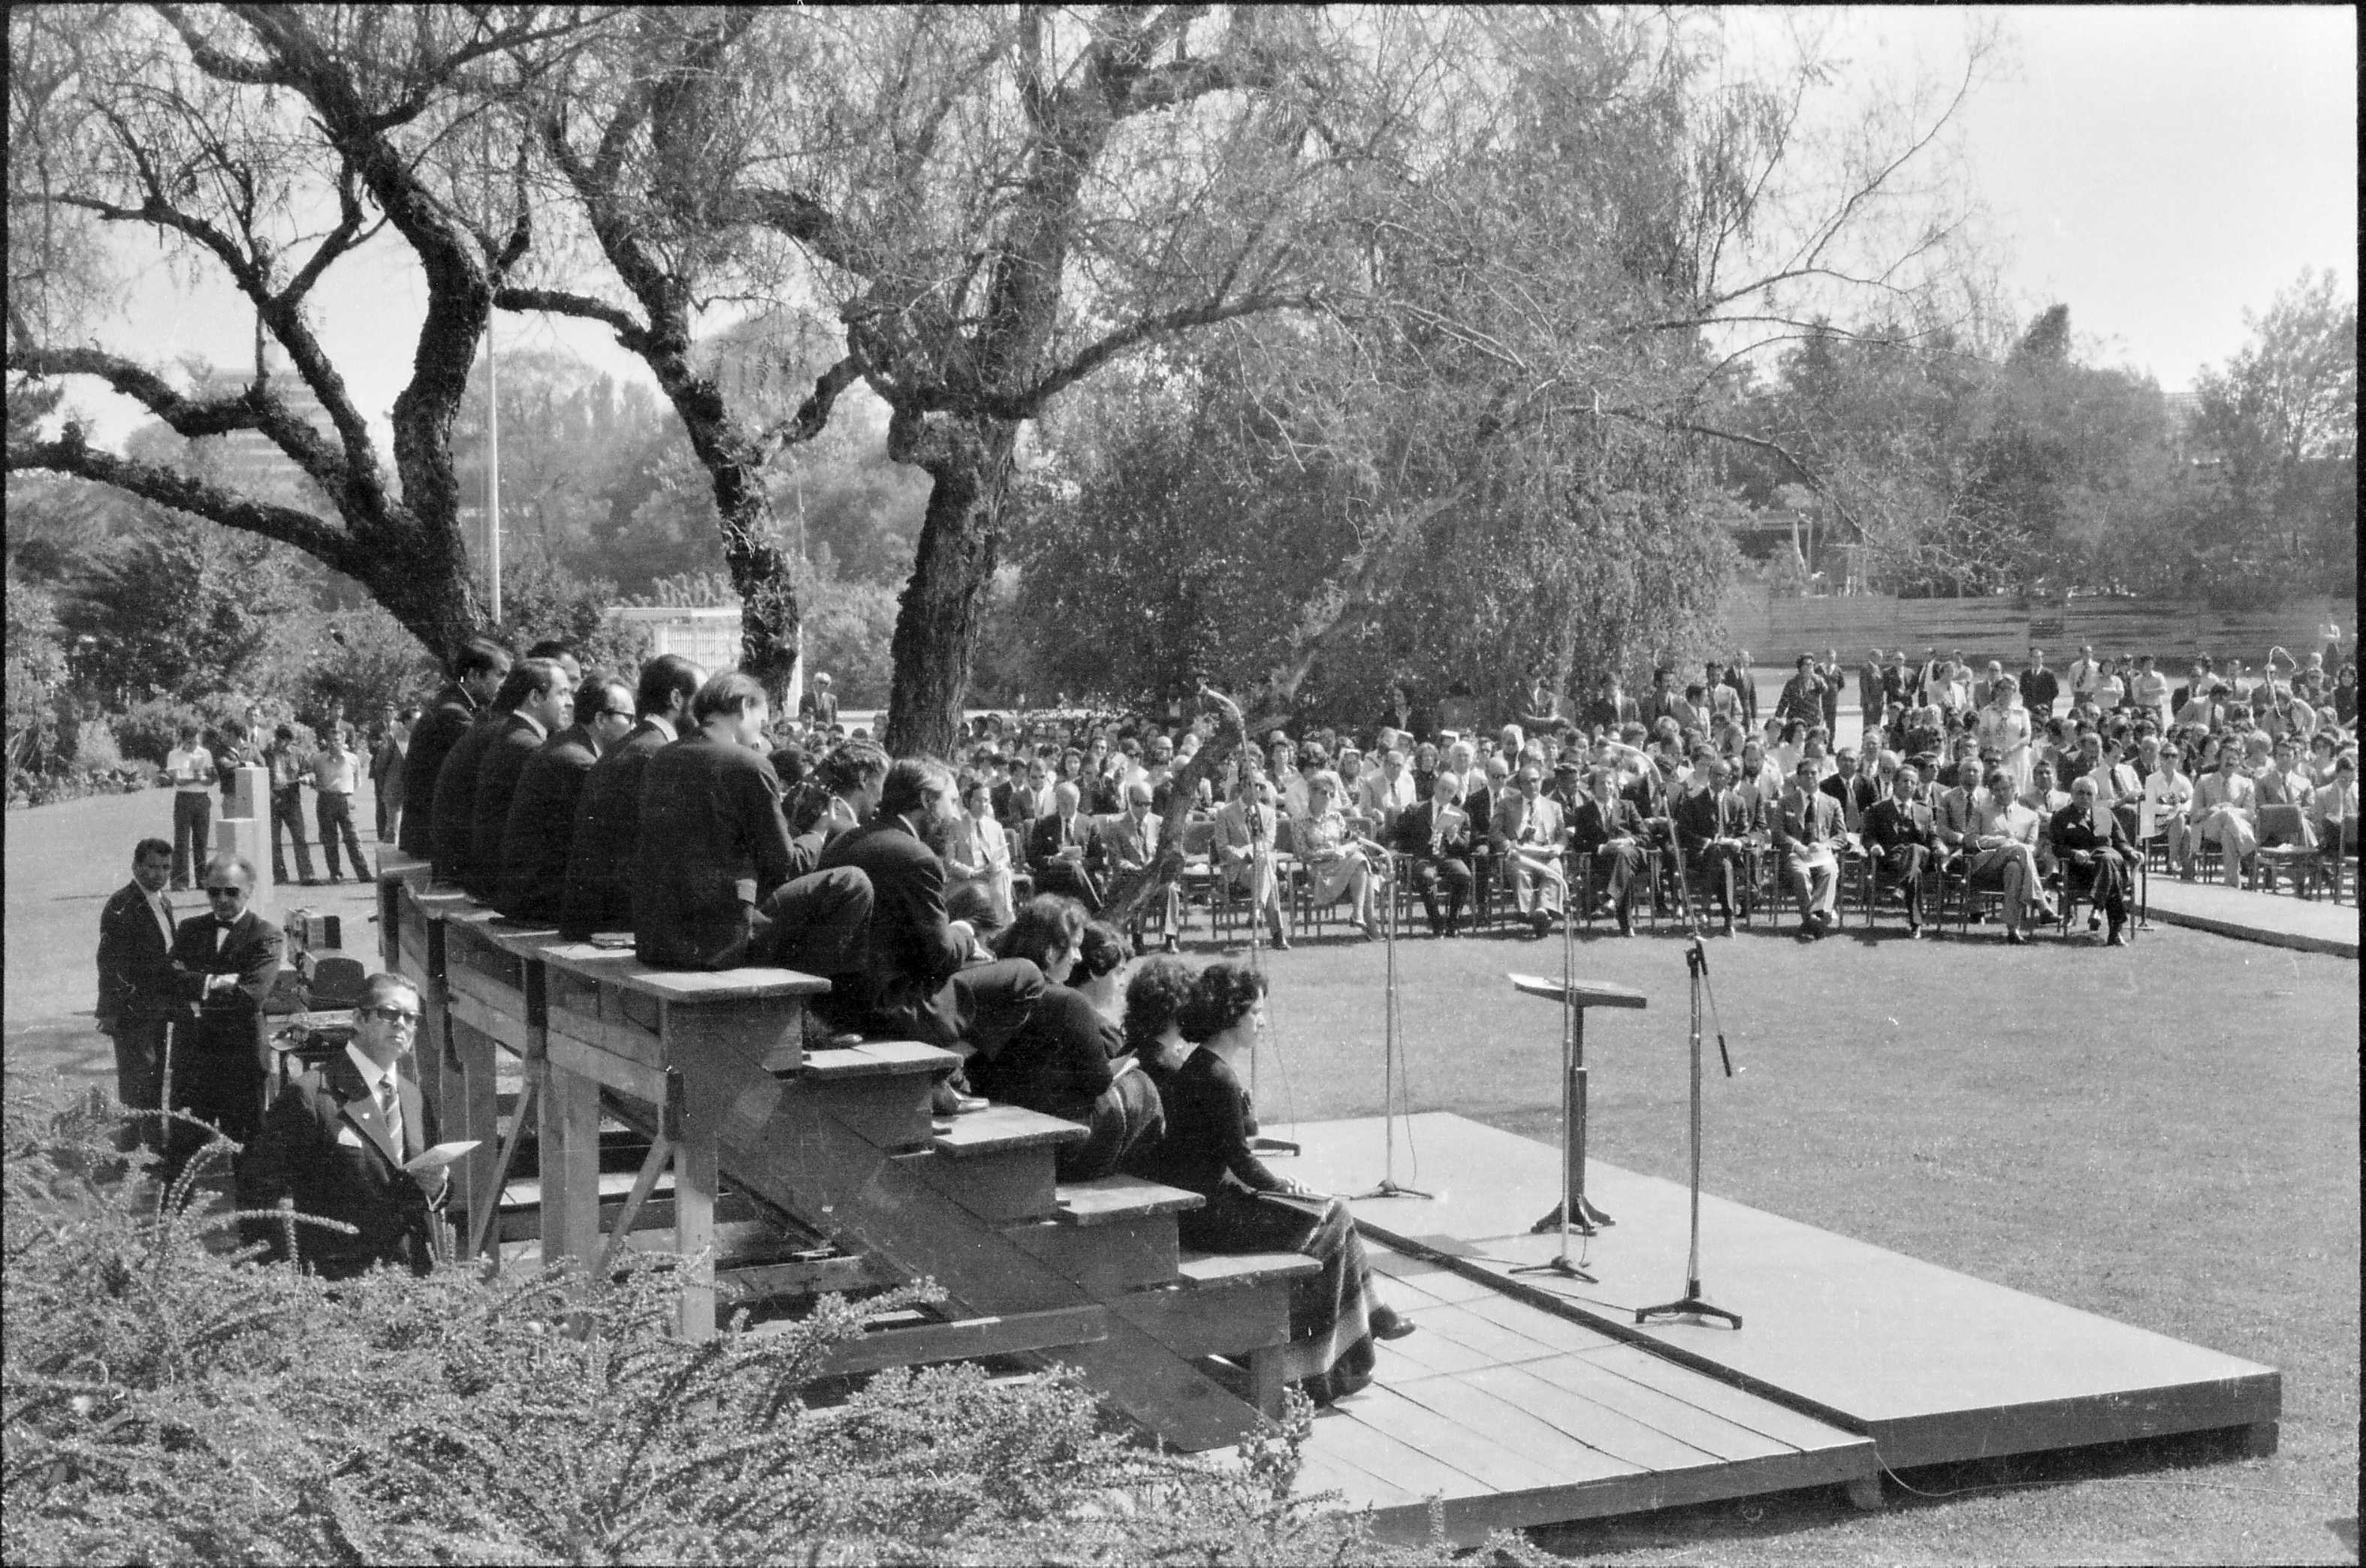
(225, 964)
(335, 1146)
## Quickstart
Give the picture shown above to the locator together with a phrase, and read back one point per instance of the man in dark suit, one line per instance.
(1056, 847)
(476, 676)
(335, 1146)
(606, 830)
(539, 697)
(910, 981)
(2096, 854)
(1608, 831)
(716, 881)
(1899, 837)
(1663, 700)
(532, 882)
(1436, 837)
(1854, 792)
(1712, 828)
(1607, 713)
(224, 965)
(137, 997)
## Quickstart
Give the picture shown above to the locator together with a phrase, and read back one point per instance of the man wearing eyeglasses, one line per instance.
(225, 964)
(532, 883)
(334, 1147)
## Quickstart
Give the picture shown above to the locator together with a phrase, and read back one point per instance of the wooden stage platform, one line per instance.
(1532, 1399)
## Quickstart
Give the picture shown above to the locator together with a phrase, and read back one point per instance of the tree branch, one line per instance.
(630, 333)
(813, 414)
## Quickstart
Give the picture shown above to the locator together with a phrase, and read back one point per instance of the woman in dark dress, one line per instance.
(1064, 1060)
(1333, 1317)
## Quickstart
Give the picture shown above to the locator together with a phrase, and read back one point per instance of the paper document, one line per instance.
(442, 1154)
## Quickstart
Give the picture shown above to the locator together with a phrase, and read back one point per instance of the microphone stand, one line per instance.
(1578, 1213)
(1693, 1304)
(1259, 854)
(1390, 1047)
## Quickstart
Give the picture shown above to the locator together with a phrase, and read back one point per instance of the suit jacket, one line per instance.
(324, 1146)
(1481, 802)
(2073, 833)
(1540, 826)
(1237, 838)
(438, 731)
(1805, 823)
(911, 952)
(515, 740)
(1047, 836)
(1416, 833)
(1888, 824)
(136, 982)
(455, 798)
(1708, 813)
(1593, 824)
(1124, 846)
(227, 1021)
(1603, 713)
(1802, 699)
(532, 883)
(711, 846)
(1857, 796)
(600, 842)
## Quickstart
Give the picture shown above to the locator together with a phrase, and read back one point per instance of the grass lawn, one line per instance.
(2166, 1135)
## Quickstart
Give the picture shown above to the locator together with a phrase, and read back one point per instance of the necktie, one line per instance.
(164, 913)
(389, 1105)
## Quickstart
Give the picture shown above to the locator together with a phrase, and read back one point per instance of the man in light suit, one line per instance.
(335, 1146)
(1128, 843)
(1057, 847)
(1245, 848)
(1526, 834)
(224, 965)
(1807, 835)
(137, 997)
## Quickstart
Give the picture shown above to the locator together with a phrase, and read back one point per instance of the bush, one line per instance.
(29, 787)
(150, 729)
(169, 1399)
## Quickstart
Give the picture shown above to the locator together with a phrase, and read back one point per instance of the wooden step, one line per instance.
(876, 1058)
(1217, 1271)
(1107, 1260)
(1051, 1328)
(996, 1162)
(1113, 1198)
(1002, 1128)
(741, 1284)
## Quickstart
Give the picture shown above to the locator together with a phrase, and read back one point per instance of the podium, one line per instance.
(1575, 997)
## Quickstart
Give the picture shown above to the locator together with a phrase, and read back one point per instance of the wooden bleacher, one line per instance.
(623, 1108)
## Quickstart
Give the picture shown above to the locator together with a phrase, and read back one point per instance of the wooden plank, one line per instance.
(470, 1110)
(1210, 1323)
(814, 1276)
(1639, 1442)
(1106, 1260)
(607, 1070)
(1407, 1464)
(629, 1041)
(1216, 1271)
(571, 1163)
(877, 1059)
(998, 1128)
(1761, 1416)
(1052, 1330)
(1676, 1418)
(1479, 1454)
(717, 985)
(1585, 993)
(695, 1173)
(773, 1027)
(1483, 1410)
(1120, 1197)
(507, 1028)
(1561, 1333)
(999, 1190)
(1356, 1488)
(1456, 1324)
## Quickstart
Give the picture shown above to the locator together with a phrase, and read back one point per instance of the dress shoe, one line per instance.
(1280, 943)
(1729, 925)
(1914, 931)
(1540, 923)
(2118, 938)
(944, 1099)
(1387, 1323)
(2094, 920)
(2015, 940)
(1169, 946)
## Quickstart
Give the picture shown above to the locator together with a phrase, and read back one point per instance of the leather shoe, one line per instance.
(1387, 1323)
(1915, 932)
(2015, 940)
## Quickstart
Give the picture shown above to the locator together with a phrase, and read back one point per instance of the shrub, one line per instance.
(169, 1399)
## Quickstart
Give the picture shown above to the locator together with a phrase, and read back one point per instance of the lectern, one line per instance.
(1574, 1213)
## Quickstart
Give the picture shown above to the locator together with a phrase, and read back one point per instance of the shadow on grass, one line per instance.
(1929, 1488)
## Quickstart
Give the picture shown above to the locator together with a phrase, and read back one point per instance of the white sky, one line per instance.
(2158, 169)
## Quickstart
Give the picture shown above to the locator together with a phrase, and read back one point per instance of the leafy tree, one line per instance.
(183, 611)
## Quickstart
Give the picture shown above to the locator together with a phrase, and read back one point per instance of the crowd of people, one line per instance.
(962, 908)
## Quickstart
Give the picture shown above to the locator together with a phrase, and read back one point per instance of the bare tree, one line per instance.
(266, 145)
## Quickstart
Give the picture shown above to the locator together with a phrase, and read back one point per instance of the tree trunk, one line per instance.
(938, 613)
(763, 575)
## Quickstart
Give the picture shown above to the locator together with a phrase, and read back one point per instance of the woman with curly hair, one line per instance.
(1333, 1317)
(1065, 1060)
